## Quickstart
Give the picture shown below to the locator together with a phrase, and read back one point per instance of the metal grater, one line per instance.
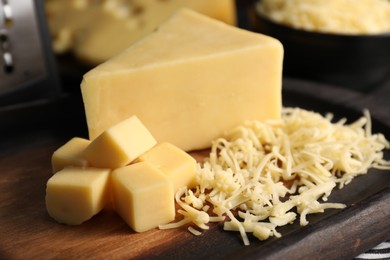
(27, 67)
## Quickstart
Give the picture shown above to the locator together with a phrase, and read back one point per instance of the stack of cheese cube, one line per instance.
(124, 166)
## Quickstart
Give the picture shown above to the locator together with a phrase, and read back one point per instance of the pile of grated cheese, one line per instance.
(334, 16)
(264, 175)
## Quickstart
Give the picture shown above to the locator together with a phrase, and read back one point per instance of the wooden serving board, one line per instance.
(30, 134)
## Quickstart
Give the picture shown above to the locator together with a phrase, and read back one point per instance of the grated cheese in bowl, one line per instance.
(363, 17)
(263, 175)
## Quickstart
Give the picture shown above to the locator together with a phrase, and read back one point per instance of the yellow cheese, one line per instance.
(75, 194)
(176, 164)
(120, 144)
(70, 154)
(245, 175)
(188, 82)
(142, 196)
(97, 30)
(331, 16)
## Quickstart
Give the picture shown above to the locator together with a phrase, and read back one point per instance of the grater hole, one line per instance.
(8, 20)
(8, 67)
(3, 39)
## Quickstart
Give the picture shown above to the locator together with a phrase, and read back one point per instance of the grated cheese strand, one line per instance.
(263, 175)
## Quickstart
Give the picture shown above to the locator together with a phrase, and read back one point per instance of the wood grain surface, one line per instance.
(27, 231)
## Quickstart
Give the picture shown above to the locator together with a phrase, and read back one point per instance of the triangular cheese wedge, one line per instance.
(188, 82)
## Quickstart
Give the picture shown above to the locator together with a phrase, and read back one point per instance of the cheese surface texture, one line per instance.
(142, 196)
(75, 194)
(97, 30)
(120, 144)
(188, 82)
(70, 154)
(176, 164)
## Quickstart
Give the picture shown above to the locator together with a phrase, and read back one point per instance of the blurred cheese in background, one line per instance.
(331, 16)
(96, 30)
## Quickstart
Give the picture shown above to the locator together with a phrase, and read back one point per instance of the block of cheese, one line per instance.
(97, 30)
(120, 144)
(188, 82)
(176, 164)
(70, 154)
(76, 194)
(142, 196)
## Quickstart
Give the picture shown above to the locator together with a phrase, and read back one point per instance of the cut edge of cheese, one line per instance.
(143, 196)
(70, 154)
(76, 194)
(120, 144)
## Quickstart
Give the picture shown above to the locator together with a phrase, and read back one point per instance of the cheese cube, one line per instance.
(188, 81)
(176, 164)
(70, 154)
(97, 30)
(75, 194)
(143, 196)
(120, 144)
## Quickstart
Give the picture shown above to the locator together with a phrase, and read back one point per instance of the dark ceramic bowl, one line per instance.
(360, 62)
